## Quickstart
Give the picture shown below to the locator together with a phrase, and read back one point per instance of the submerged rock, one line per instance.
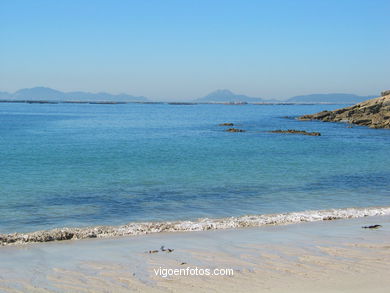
(303, 132)
(374, 113)
(234, 130)
(226, 124)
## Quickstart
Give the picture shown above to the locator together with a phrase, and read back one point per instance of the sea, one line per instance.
(79, 165)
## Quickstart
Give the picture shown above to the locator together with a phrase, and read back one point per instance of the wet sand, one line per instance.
(327, 256)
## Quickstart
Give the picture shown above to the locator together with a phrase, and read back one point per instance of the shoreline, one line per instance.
(322, 256)
(203, 224)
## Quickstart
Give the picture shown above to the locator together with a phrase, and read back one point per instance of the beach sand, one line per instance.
(326, 256)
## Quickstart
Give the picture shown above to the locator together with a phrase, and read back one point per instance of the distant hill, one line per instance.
(44, 93)
(38, 93)
(227, 96)
(336, 98)
(5, 95)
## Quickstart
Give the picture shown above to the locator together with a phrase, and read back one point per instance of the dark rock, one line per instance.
(385, 93)
(292, 131)
(318, 116)
(226, 124)
(234, 130)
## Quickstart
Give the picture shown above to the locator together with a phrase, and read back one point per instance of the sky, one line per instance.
(184, 49)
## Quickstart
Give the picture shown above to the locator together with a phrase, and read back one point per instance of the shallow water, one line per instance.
(82, 164)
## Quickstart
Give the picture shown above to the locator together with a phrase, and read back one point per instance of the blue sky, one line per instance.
(171, 49)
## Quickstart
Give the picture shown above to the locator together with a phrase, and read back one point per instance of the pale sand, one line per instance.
(335, 256)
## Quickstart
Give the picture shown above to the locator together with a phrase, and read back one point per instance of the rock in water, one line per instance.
(234, 130)
(292, 131)
(226, 124)
(374, 113)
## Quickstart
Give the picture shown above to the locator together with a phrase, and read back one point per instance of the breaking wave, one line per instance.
(198, 225)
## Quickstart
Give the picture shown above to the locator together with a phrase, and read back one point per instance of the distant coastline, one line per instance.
(75, 102)
(167, 103)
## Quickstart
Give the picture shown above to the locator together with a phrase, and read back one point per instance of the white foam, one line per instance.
(198, 225)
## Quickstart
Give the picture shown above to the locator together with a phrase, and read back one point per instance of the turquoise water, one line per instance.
(82, 164)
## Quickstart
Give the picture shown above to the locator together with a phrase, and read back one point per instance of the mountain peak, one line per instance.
(222, 91)
(38, 92)
(225, 95)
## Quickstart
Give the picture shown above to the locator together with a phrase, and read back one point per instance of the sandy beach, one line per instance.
(326, 256)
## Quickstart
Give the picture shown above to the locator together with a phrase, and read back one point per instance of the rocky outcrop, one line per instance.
(234, 130)
(292, 131)
(374, 113)
(226, 124)
(385, 93)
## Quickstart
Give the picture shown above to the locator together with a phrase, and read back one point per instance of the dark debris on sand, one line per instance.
(372, 227)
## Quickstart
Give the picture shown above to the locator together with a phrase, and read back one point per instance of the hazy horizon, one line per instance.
(41, 93)
(175, 50)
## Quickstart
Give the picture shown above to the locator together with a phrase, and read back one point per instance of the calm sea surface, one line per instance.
(81, 164)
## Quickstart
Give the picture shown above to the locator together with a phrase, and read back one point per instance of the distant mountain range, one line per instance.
(227, 96)
(329, 98)
(337, 98)
(219, 96)
(48, 94)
